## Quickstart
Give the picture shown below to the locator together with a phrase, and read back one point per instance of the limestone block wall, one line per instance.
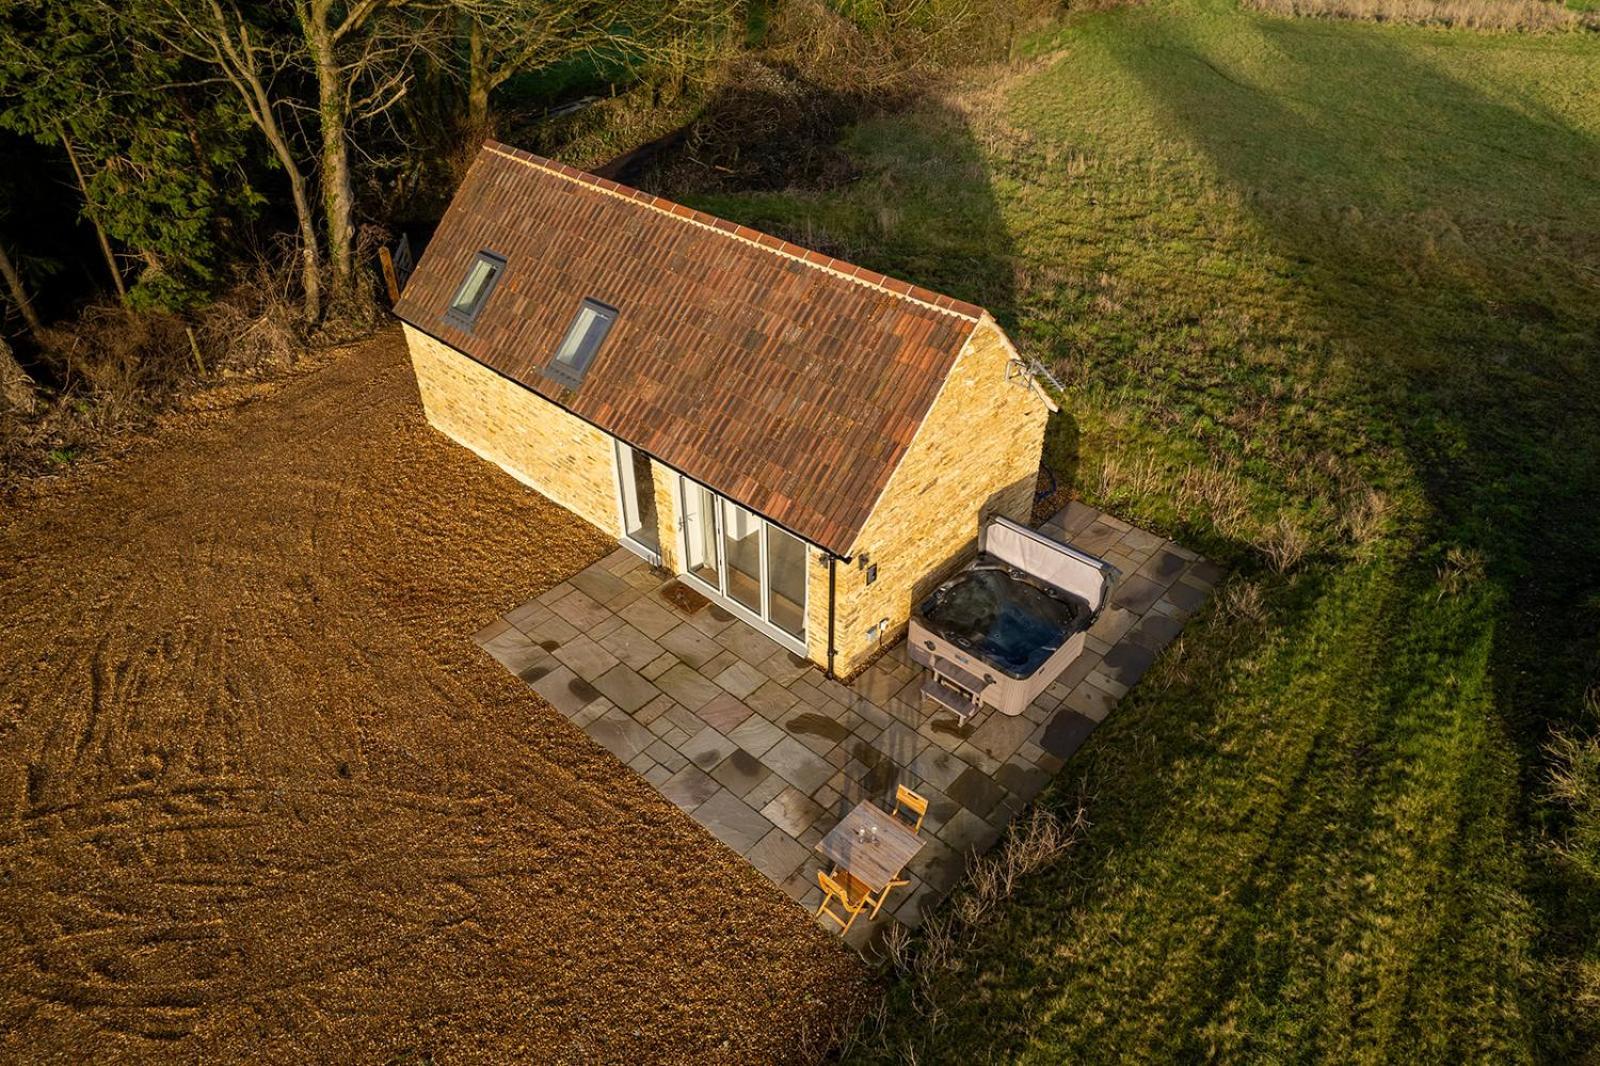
(666, 482)
(817, 604)
(976, 455)
(535, 441)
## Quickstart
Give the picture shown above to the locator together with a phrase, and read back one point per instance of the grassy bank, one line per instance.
(1324, 298)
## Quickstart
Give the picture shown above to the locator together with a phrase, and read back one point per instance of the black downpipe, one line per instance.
(833, 561)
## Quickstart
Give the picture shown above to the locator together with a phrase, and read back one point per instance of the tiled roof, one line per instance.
(782, 378)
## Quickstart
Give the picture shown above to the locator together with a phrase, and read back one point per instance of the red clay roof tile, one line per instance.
(734, 359)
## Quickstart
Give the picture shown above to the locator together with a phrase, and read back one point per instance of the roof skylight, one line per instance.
(583, 340)
(482, 276)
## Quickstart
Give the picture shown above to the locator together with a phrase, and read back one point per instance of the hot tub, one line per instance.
(1000, 631)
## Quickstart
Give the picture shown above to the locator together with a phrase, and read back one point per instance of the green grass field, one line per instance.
(1326, 300)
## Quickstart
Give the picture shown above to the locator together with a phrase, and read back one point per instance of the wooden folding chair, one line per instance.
(855, 884)
(834, 891)
(909, 808)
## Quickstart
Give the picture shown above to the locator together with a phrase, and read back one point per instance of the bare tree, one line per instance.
(93, 217)
(360, 52)
(19, 295)
(16, 387)
(248, 58)
(508, 37)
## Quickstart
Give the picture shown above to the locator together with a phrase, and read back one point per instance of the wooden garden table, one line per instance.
(874, 860)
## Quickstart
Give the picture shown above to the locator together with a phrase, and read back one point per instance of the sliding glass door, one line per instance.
(786, 582)
(745, 562)
(741, 553)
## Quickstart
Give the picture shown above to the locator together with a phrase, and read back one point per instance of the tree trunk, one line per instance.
(259, 105)
(19, 295)
(16, 387)
(89, 213)
(310, 273)
(477, 82)
(338, 195)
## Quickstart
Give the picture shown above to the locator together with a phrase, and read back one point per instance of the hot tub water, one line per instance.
(1002, 617)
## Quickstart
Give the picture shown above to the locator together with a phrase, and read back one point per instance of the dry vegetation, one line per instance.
(264, 800)
(118, 369)
(936, 952)
(1525, 16)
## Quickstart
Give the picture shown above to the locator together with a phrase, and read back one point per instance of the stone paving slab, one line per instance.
(768, 753)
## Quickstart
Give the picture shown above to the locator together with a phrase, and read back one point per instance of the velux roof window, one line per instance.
(583, 340)
(482, 276)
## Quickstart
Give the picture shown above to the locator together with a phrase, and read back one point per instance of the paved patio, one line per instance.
(768, 754)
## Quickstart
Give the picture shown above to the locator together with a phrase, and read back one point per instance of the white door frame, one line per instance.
(717, 595)
(650, 555)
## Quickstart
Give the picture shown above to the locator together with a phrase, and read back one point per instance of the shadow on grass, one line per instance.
(1316, 838)
(1476, 348)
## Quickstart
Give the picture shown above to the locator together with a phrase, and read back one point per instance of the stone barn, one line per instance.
(810, 444)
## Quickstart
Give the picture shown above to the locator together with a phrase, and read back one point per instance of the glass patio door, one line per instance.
(636, 489)
(700, 557)
(741, 550)
(746, 563)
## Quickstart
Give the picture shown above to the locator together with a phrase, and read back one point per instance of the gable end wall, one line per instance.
(975, 455)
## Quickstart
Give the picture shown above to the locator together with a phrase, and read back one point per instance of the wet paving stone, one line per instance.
(625, 688)
(707, 748)
(1127, 662)
(1066, 733)
(1164, 567)
(690, 787)
(1187, 596)
(1135, 594)
(740, 773)
(1156, 631)
(768, 753)
(976, 791)
(732, 821)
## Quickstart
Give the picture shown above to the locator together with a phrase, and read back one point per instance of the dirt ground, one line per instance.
(262, 798)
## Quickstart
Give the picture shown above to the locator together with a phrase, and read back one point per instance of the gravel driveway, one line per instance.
(264, 799)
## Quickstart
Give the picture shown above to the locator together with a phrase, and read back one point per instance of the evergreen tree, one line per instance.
(156, 150)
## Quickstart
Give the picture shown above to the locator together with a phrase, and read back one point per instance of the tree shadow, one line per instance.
(1471, 337)
(896, 183)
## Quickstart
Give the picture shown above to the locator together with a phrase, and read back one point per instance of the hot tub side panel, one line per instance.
(1008, 695)
(975, 455)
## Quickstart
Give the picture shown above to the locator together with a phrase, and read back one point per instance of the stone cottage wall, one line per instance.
(976, 455)
(666, 485)
(535, 441)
